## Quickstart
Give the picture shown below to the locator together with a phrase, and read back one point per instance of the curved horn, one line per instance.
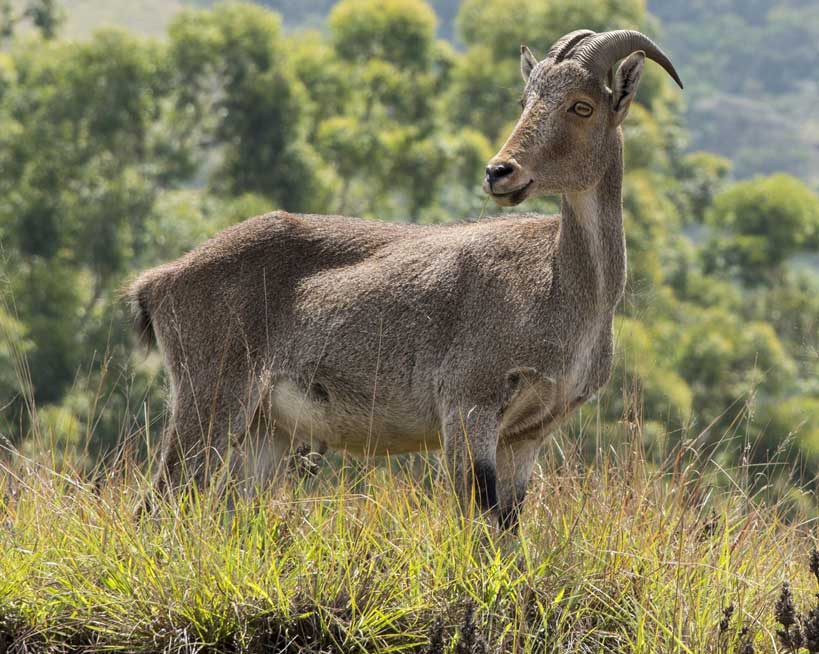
(565, 43)
(601, 51)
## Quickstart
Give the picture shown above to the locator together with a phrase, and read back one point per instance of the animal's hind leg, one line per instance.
(181, 457)
(204, 423)
(260, 459)
(515, 461)
(470, 444)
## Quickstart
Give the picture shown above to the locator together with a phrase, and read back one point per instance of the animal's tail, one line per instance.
(138, 295)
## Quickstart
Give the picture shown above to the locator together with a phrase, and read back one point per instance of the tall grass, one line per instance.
(620, 556)
(615, 557)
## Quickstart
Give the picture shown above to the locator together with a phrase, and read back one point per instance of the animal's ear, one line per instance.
(626, 82)
(527, 62)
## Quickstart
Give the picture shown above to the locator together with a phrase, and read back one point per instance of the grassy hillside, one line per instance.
(614, 559)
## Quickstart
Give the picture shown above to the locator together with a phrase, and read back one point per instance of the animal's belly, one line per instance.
(375, 429)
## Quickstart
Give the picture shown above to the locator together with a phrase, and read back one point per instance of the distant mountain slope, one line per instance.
(751, 82)
(149, 17)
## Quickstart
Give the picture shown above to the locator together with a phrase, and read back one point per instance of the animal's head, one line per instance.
(573, 107)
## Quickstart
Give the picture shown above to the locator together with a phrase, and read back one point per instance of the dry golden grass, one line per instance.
(618, 556)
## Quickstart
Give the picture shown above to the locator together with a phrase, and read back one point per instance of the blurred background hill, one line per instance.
(130, 132)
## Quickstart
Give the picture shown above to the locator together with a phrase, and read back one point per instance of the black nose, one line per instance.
(497, 171)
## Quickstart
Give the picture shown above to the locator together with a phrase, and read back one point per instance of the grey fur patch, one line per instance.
(530, 400)
(319, 392)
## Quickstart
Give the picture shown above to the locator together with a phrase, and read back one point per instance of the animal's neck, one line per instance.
(592, 248)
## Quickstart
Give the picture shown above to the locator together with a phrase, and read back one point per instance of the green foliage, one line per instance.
(651, 222)
(644, 369)
(46, 15)
(759, 224)
(51, 297)
(325, 77)
(726, 361)
(399, 32)
(231, 63)
(484, 92)
(14, 348)
(796, 419)
(702, 175)
(383, 563)
(503, 26)
(386, 140)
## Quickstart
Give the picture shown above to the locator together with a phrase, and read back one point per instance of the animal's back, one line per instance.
(256, 258)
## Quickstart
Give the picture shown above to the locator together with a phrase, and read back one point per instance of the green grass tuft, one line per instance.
(612, 558)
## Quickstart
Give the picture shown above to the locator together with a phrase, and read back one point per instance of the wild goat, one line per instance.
(382, 338)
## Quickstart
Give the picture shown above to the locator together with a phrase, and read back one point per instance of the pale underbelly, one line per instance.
(360, 430)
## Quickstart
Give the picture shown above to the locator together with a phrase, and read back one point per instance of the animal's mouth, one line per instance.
(511, 198)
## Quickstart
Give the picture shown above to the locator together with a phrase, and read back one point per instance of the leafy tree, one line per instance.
(790, 426)
(324, 75)
(49, 296)
(386, 142)
(353, 150)
(399, 32)
(231, 65)
(644, 370)
(702, 175)
(14, 348)
(792, 308)
(46, 15)
(651, 224)
(77, 184)
(484, 92)
(726, 361)
(6, 19)
(759, 224)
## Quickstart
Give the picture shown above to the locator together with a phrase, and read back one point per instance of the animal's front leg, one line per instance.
(516, 459)
(470, 445)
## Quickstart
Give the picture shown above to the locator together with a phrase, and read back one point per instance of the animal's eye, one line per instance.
(582, 109)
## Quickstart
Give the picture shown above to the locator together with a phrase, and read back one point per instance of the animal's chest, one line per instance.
(588, 363)
(540, 395)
